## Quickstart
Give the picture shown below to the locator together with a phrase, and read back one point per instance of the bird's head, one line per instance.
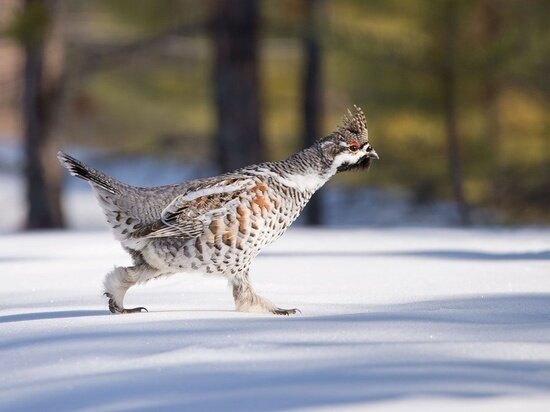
(348, 147)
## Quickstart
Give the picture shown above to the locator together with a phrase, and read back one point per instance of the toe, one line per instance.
(114, 308)
(135, 310)
(286, 312)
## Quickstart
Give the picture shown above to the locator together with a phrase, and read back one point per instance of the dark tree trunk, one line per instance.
(312, 95)
(490, 96)
(236, 83)
(42, 173)
(449, 85)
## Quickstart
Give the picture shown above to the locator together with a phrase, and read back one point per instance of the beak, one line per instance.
(373, 155)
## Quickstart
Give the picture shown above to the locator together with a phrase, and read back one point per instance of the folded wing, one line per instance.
(188, 214)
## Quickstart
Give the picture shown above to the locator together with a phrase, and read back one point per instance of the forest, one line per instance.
(420, 284)
(457, 93)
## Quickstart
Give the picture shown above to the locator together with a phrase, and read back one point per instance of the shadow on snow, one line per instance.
(436, 254)
(406, 366)
(62, 314)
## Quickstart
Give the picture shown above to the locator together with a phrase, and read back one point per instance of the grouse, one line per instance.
(218, 225)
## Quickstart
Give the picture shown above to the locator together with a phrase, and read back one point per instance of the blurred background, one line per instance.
(456, 92)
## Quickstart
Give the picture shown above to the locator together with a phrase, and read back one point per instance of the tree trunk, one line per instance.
(236, 83)
(42, 173)
(449, 85)
(490, 96)
(312, 96)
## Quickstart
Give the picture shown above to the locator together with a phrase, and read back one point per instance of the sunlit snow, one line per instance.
(393, 319)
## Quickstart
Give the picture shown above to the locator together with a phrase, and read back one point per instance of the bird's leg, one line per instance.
(114, 308)
(120, 280)
(246, 300)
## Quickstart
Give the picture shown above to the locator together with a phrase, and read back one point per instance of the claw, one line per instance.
(287, 312)
(134, 310)
(114, 308)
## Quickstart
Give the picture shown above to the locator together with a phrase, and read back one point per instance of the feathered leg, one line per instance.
(120, 280)
(246, 300)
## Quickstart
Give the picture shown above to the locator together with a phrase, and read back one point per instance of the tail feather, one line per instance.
(79, 169)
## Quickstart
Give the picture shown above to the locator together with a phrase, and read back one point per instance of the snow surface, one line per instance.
(393, 320)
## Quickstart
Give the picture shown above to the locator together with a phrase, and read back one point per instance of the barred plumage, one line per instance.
(218, 225)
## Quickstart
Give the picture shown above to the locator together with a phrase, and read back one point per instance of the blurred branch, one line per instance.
(105, 57)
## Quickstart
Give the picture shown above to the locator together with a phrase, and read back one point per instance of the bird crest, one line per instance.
(353, 126)
(355, 122)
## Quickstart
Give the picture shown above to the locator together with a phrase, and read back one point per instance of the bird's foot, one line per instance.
(286, 312)
(114, 308)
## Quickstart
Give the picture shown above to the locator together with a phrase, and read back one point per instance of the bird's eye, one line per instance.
(353, 146)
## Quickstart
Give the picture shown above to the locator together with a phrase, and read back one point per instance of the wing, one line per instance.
(188, 214)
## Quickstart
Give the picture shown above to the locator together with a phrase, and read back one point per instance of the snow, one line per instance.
(398, 319)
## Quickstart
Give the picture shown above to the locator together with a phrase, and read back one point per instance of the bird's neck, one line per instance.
(306, 170)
